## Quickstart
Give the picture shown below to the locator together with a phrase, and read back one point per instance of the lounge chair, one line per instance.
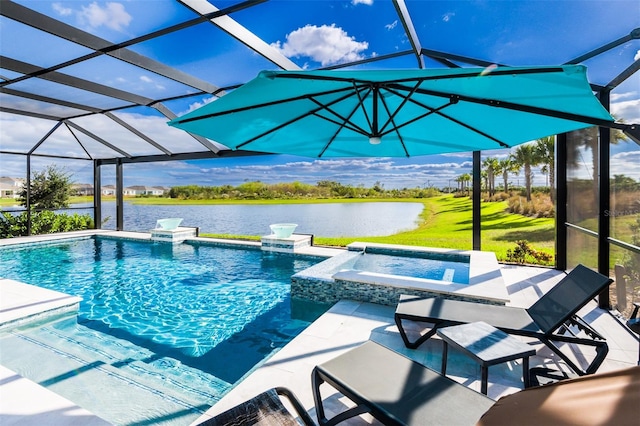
(398, 391)
(263, 409)
(549, 319)
(395, 390)
(599, 399)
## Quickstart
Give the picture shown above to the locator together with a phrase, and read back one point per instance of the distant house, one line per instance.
(108, 190)
(137, 190)
(82, 189)
(10, 187)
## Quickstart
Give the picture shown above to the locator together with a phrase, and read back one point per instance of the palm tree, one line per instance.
(526, 156)
(589, 139)
(466, 178)
(462, 181)
(546, 155)
(492, 165)
(506, 166)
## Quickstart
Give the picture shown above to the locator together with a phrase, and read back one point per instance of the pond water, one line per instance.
(326, 220)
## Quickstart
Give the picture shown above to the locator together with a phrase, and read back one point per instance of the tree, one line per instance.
(506, 166)
(546, 155)
(492, 165)
(525, 157)
(589, 138)
(50, 189)
(624, 183)
(463, 180)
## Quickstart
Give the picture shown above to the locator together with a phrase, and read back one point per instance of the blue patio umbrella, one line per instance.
(391, 113)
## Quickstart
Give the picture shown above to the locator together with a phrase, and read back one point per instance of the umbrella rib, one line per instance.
(520, 107)
(405, 99)
(396, 127)
(453, 99)
(497, 71)
(361, 104)
(473, 129)
(391, 120)
(344, 121)
(265, 104)
(297, 118)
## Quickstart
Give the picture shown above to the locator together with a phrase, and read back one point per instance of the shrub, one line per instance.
(44, 222)
(539, 206)
(523, 253)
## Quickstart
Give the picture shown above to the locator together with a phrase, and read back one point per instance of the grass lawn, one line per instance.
(8, 202)
(446, 222)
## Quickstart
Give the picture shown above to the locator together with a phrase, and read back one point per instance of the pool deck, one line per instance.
(346, 325)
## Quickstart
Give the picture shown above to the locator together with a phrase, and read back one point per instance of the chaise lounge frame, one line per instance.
(549, 320)
(265, 408)
(394, 389)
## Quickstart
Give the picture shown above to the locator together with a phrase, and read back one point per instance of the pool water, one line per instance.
(163, 331)
(415, 266)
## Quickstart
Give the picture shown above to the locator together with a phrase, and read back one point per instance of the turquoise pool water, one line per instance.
(163, 331)
(434, 267)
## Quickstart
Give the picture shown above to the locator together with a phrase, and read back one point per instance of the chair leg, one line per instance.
(316, 381)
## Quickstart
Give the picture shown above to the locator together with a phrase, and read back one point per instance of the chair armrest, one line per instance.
(304, 416)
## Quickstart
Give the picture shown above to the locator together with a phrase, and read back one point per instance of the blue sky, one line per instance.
(320, 33)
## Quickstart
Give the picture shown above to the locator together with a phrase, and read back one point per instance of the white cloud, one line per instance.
(637, 56)
(626, 162)
(365, 2)
(149, 80)
(447, 16)
(392, 173)
(194, 106)
(618, 97)
(391, 25)
(325, 44)
(629, 110)
(112, 15)
(62, 11)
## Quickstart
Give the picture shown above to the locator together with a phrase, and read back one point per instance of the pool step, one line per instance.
(24, 303)
(63, 352)
(448, 275)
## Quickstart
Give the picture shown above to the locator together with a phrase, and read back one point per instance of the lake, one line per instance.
(324, 220)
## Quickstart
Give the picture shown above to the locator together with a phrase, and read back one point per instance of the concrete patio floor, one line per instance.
(349, 324)
(346, 325)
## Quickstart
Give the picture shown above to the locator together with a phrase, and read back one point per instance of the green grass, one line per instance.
(447, 222)
(8, 202)
(72, 200)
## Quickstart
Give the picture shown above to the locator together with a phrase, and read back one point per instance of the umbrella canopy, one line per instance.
(391, 113)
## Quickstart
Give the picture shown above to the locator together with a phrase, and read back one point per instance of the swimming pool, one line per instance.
(163, 330)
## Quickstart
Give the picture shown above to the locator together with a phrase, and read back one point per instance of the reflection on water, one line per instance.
(325, 220)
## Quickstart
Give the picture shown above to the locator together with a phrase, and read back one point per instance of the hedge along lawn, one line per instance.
(446, 222)
(180, 202)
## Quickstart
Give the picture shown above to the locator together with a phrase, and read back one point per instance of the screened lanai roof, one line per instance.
(100, 80)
